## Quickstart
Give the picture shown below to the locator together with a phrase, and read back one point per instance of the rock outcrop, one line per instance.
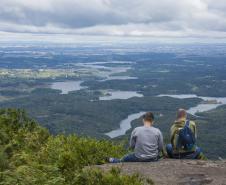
(173, 172)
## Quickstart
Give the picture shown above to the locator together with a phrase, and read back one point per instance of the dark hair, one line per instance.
(149, 116)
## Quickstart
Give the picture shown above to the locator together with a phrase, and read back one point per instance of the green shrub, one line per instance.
(113, 177)
(3, 160)
(72, 153)
(29, 155)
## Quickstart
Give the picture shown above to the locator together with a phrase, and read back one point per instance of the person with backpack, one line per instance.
(183, 135)
(146, 142)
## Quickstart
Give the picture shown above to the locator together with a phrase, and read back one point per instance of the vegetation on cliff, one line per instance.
(30, 155)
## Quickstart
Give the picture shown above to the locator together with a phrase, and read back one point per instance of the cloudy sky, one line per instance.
(134, 18)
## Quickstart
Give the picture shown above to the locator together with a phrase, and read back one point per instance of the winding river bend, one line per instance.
(209, 103)
(124, 125)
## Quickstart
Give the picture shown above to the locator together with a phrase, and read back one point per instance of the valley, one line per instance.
(93, 89)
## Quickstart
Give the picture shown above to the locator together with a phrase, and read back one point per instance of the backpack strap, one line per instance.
(187, 123)
(179, 144)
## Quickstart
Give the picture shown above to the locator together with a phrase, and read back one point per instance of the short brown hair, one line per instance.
(149, 116)
(181, 113)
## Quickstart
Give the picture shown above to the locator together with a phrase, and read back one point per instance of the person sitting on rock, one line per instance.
(183, 134)
(146, 141)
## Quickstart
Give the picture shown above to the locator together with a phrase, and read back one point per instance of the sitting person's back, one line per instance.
(183, 135)
(146, 141)
(174, 134)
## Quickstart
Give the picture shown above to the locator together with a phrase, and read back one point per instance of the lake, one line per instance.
(112, 95)
(124, 125)
(67, 86)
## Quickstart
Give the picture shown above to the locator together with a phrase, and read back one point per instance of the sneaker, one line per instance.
(113, 160)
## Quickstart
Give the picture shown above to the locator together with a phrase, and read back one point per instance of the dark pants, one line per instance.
(132, 158)
(185, 155)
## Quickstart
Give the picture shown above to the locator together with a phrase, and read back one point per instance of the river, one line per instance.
(109, 73)
(124, 125)
(201, 107)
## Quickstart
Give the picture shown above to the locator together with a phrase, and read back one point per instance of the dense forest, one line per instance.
(27, 74)
(30, 155)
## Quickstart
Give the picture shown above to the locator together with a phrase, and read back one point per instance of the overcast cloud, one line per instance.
(154, 18)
